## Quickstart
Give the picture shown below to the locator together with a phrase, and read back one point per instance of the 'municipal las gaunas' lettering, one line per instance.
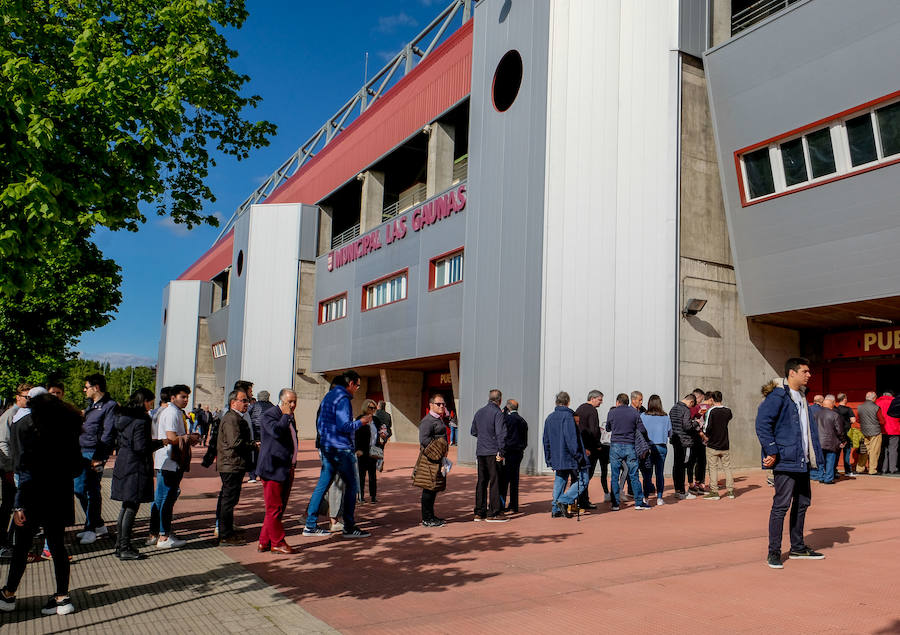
(428, 213)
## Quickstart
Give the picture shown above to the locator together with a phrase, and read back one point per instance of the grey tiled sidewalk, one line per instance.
(196, 589)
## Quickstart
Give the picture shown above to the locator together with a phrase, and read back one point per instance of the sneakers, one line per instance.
(152, 540)
(690, 496)
(58, 607)
(659, 502)
(730, 493)
(642, 506)
(101, 531)
(711, 496)
(478, 519)
(850, 474)
(806, 554)
(356, 532)
(774, 560)
(499, 518)
(7, 602)
(434, 522)
(170, 542)
(130, 554)
(614, 508)
(336, 527)
(252, 480)
(88, 537)
(318, 531)
(681, 495)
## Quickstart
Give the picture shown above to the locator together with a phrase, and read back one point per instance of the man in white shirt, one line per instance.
(170, 424)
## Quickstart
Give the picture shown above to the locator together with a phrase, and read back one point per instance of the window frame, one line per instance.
(432, 268)
(224, 349)
(840, 148)
(322, 303)
(365, 289)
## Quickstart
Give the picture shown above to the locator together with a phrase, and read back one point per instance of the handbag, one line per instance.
(376, 452)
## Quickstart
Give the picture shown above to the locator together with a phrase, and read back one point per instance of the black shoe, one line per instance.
(130, 554)
(356, 532)
(774, 560)
(434, 522)
(806, 554)
(588, 506)
(556, 514)
(564, 510)
(373, 500)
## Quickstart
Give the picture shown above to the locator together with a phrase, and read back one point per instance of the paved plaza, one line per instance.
(686, 567)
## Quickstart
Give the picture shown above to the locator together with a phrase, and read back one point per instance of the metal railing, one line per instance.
(757, 12)
(345, 236)
(409, 198)
(461, 169)
(371, 91)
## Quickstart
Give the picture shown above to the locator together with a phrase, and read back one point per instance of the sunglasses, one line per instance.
(439, 403)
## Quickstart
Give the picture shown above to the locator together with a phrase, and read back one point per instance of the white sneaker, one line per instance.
(660, 501)
(88, 538)
(171, 542)
(7, 605)
(101, 531)
(690, 496)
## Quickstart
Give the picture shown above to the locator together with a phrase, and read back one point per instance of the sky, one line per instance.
(305, 59)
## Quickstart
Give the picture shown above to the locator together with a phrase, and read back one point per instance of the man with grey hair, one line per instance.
(589, 428)
(831, 438)
(489, 427)
(564, 453)
(871, 424)
(624, 422)
(255, 413)
(278, 450)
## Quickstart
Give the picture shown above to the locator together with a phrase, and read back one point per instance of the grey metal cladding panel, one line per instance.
(504, 236)
(332, 341)
(161, 355)
(693, 26)
(832, 243)
(309, 232)
(235, 340)
(218, 325)
(439, 328)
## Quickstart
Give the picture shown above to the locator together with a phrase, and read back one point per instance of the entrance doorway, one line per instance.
(887, 379)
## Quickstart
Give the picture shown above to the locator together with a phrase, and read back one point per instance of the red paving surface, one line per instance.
(687, 567)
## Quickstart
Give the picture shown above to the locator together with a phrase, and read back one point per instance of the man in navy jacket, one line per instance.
(277, 458)
(96, 440)
(789, 438)
(489, 427)
(564, 452)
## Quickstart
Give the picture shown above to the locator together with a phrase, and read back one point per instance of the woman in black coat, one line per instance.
(132, 481)
(48, 459)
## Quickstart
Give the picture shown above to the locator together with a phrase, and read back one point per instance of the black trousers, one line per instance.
(366, 465)
(487, 489)
(679, 453)
(229, 496)
(696, 464)
(509, 480)
(53, 534)
(8, 492)
(428, 498)
(792, 491)
(126, 524)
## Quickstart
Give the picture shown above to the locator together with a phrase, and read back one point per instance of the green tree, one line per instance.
(106, 105)
(73, 289)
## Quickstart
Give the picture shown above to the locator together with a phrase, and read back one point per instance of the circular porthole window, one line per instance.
(507, 80)
(240, 262)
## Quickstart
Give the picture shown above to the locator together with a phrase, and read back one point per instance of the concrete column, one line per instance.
(721, 21)
(454, 380)
(441, 142)
(372, 200)
(402, 391)
(325, 220)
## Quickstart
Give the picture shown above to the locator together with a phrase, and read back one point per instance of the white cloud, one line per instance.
(178, 229)
(390, 23)
(119, 360)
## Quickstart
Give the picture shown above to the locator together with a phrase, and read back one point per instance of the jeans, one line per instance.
(890, 454)
(167, 491)
(579, 483)
(848, 453)
(585, 496)
(792, 491)
(658, 459)
(87, 491)
(229, 496)
(342, 462)
(454, 433)
(618, 453)
(487, 487)
(828, 471)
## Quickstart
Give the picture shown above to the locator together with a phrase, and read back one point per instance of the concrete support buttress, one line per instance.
(441, 142)
(325, 219)
(372, 200)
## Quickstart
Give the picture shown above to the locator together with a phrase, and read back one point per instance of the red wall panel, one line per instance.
(213, 261)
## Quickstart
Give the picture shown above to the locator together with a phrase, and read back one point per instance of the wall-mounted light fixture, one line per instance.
(870, 318)
(693, 307)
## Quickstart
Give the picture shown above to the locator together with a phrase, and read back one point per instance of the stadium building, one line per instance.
(568, 195)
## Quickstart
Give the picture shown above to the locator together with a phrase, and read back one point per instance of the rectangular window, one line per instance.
(385, 291)
(862, 140)
(446, 269)
(759, 173)
(821, 153)
(333, 309)
(889, 128)
(794, 162)
(218, 350)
